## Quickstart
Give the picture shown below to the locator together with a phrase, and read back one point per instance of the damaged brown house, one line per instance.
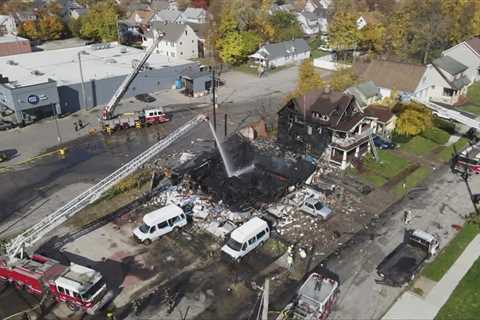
(331, 125)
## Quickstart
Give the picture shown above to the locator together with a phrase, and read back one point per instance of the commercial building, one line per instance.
(67, 80)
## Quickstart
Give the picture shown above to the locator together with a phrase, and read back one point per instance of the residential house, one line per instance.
(366, 18)
(168, 16)
(141, 17)
(365, 93)
(158, 5)
(282, 53)
(313, 22)
(71, 9)
(312, 5)
(445, 81)
(7, 25)
(392, 77)
(24, 16)
(468, 52)
(287, 7)
(194, 15)
(196, 83)
(201, 30)
(330, 124)
(179, 41)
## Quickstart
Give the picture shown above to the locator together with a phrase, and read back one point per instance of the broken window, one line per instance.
(448, 92)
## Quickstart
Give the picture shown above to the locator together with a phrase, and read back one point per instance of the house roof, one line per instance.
(196, 74)
(391, 75)
(461, 82)
(309, 15)
(172, 31)
(281, 49)
(194, 13)
(158, 5)
(474, 43)
(363, 92)
(450, 65)
(167, 15)
(201, 29)
(144, 15)
(382, 113)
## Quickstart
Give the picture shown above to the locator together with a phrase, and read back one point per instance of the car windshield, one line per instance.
(93, 290)
(318, 205)
(144, 228)
(235, 245)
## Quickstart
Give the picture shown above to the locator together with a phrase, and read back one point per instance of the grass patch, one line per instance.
(446, 153)
(412, 180)
(419, 146)
(447, 257)
(473, 94)
(436, 135)
(377, 173)
(246, 68)
(316, 53)
(464, 303)
(471, 108)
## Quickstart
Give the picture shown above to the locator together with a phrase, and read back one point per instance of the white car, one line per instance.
(316, 208)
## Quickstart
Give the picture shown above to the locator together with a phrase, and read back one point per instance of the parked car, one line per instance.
(145, 98)
(246, 238)
(316, 208)
(6, 125)
(382, 143)
(160, 222)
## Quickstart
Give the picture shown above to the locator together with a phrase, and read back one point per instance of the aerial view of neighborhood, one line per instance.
(239, 159)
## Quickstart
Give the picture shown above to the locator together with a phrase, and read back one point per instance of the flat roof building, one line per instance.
(11, 45)
(100, 67)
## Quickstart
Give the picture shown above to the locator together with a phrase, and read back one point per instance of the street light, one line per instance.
(84, 96)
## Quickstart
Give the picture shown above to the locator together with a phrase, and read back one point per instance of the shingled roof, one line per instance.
(391, 75)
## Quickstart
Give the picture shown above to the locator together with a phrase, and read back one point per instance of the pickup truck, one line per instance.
(313, 301)
(400, 266)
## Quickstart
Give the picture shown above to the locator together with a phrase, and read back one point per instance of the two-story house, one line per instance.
(194, 15)
(313, 22)
(7, 25)
(141, 18)
(179, 40)
(468, 52)
(168, 16)
(330, 124)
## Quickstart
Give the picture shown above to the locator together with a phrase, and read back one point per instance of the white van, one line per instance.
(246, 238)
(160, 222)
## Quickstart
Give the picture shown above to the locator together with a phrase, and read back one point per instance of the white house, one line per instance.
(169, 16)
(442, 81)
(312, 5)
(313, 22)
(468, 52)
(282, 53)
(7, 25)
(194, 15)
(180, 41)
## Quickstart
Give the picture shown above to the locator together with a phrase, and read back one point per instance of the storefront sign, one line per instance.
(33, 99)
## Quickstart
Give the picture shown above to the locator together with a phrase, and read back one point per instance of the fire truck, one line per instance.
(313, 301)
(80, 287)
(110, 122)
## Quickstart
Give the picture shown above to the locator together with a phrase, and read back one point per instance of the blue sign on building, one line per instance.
(33, 99)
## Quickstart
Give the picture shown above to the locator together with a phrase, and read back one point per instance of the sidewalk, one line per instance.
(412, 306)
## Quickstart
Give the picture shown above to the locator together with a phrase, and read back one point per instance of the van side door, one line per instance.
(252, 244)
(163, 228)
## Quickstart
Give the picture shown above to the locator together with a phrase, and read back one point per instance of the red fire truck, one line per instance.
(78, 286)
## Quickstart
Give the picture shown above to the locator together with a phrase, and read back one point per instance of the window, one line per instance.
(261, 234)
(153, 229)
(162, 225)
(447, 92)
(181, 42)
(150, 114)
(67, 292)
(60, 289)
(244, 247)
(252, 241)
(76, 295)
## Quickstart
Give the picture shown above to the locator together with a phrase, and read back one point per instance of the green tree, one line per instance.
(308, 79)
(286, 26)
(342, 78)
(236, 46)
(413, 120)
(100, 23)
(29, 29)
(397, 33)
(372, 37)
(74, 26)
(343, 32)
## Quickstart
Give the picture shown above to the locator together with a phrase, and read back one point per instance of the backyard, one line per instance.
(473, 105)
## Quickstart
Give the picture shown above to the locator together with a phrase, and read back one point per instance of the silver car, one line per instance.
(316, 208)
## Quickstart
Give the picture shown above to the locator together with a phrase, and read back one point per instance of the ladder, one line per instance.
(451, 114)
(109, 109)
(372, 145)
(50, 222)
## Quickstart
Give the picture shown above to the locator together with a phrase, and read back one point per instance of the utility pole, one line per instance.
(84, 96)
(214, 99)
(226, 119)
(55, 114)
(266, 293)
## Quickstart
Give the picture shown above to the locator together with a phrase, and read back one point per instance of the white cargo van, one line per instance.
(160, 222)
(246, 238)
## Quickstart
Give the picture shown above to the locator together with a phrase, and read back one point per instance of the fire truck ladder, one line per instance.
(450, 114)
(109, 109)
(28, 238)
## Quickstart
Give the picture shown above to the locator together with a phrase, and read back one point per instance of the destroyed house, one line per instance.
(329, 124)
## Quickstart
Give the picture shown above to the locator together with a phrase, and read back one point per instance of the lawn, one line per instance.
(377, 173)
(446, 153)
(474, 99)
(464, 303)
(252, 69)
(316, 53)
(412, 180)
(419, 146)
(436, 269)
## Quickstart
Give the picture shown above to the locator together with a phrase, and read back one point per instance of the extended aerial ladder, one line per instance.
(109, 110)
(15, 248)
